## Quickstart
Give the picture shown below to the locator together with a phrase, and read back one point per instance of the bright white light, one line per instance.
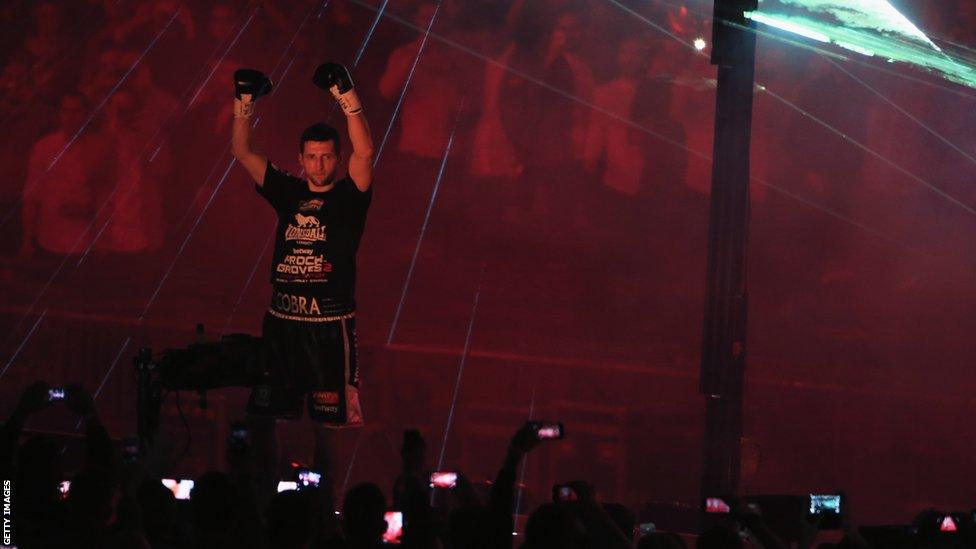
(878, 14)
(788, 26)
(700, 44)
(855, 48)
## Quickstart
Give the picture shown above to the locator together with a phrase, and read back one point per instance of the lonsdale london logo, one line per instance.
(309, 228)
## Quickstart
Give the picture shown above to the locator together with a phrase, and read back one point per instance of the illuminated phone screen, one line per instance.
(180, 488)
(824, 503)
(443, 479)
(717, 505)
(394, 527)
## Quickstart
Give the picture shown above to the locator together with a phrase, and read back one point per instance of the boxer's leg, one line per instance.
(335, 402)
(264, 437)
(324, 461)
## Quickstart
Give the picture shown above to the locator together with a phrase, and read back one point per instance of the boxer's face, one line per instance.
(320, 161)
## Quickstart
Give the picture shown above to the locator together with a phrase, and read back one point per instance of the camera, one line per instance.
(548, 430)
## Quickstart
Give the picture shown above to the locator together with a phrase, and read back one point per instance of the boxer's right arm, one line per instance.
(249, 85)
(255, 163)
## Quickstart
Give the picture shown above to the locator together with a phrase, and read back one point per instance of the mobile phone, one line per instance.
(824, 503)
(948, 523)
(238, 441)
(308, 478)
(443, 479)
(828, 508)
(55, 393)
(647, 528)
(238, 430)
(717, 505)
(181, 487)
(130, 449)
(64, 488)
(394, 527)
(548, 430)
(285, 485)
(564, 492)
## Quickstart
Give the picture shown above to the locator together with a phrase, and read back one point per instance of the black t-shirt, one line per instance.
(314, 266)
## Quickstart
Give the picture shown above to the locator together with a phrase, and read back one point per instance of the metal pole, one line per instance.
(724, 328)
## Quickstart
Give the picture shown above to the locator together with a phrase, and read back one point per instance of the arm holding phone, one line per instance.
(500, 524)
(601, 528)
(33, 399)
(98, 445)
(749, 517)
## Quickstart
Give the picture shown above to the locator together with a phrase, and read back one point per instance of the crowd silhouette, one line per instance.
(118, 500)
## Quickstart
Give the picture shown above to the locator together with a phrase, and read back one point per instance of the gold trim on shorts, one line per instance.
(311, 319)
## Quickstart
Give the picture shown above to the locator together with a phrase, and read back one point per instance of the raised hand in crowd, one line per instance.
(749, 516)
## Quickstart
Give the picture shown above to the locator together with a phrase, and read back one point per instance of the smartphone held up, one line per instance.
(548, 430)
(443, 479)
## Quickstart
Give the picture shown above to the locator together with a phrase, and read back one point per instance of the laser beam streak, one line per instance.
(23, 342)
(423, 231)
(628, 122)
(376, 20)
(460, 374)
(406, 85)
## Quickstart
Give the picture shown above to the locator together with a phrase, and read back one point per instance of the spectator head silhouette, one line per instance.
(159, 512)
(465, 527)
(362, 514)
(91, 500)
(661, 540)
(624, 518)
(128, 539)
(213, 506)
(39, 471)
(290, 519)
(719, 537)
(553, 526)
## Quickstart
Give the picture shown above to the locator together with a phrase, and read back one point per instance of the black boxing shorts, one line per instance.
(311, 361)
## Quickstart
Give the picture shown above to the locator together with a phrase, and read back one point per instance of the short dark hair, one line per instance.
(320, 131)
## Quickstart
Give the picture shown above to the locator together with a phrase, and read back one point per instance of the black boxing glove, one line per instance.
(334, 78)
(249, 85)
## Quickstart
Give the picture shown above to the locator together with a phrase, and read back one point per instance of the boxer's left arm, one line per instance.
(336, 79)
(361, 160)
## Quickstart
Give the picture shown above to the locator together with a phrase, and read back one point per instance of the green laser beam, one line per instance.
(868, 27)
